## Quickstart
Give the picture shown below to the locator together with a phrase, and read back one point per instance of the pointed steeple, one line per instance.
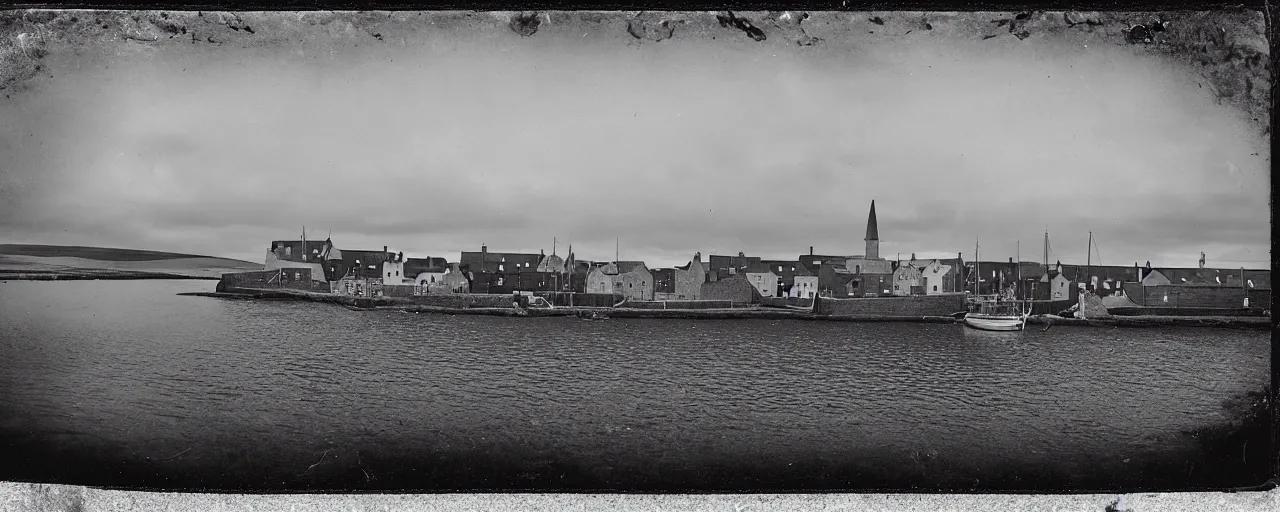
(873, 234)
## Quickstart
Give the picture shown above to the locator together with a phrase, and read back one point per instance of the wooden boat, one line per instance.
(994, 313)
(997, 315)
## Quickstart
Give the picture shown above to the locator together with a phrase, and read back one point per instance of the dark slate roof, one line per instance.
(415, 266)
(873, 232)
(628, 266)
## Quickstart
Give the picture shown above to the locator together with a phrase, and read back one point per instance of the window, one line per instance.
(779, 268)
(297, 275)
(895, 287)
(499, 281)
(500, 269)
(388, 274)
(526, 264)
(397, 273)
(1251, 283)
(935, 287)
(433, 279)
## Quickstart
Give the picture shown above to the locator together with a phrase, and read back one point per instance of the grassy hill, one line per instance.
(50, 262)
(97, 253)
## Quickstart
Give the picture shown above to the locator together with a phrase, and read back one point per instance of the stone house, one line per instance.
(633, 280)
(690, 278)
(452, 281)
(767, 283)
(361, 264)
(499, 262)
(736, 288)
(313, 255)
(600, 279)
(803, 287)
(425, 272)
(907, 280)
(664, 283)
(724, 267)
(796, 278)
(393, 271)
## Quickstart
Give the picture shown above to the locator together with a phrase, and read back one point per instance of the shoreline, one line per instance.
(757, 313)
(93, 275)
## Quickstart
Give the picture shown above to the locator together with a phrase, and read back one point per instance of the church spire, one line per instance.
(873, 234)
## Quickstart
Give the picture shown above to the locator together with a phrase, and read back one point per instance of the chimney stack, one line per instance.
(811, 250)
(384, 248)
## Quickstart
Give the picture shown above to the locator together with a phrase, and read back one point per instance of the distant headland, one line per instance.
(68, 262)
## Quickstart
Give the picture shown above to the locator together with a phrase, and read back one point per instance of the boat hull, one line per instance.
(994, 323)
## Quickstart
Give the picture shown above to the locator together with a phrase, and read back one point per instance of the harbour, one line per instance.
(216, 393)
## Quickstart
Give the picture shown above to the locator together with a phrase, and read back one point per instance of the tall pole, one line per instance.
(977, 271)
(1088, 263)
(1018, 262)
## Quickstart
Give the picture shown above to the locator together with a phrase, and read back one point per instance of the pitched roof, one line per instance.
(415, 266)
(628, 266)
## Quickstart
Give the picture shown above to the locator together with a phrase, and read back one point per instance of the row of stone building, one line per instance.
(739, 278)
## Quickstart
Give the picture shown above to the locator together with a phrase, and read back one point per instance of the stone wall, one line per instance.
(684, 304)
(923, 305)
(734, 289)
(588, 300)
(1175, 296)
(689, 282)
(786, 301)
(464, 300)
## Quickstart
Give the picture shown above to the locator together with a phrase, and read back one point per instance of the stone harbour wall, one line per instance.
(922, 305)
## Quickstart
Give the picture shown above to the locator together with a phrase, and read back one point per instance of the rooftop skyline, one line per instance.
(435, 138)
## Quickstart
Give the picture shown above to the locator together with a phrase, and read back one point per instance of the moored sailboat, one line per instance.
(994, 313)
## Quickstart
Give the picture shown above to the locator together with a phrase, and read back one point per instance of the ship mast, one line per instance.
(977, 271)
(1088, 265)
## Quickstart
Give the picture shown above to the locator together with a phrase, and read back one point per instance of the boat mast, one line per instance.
(1018, 269)
(1088, 263)
(977, 271)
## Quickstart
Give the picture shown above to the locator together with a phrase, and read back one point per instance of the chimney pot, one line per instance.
(811, 250)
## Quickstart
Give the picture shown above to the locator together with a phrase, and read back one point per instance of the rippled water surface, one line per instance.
(161, 378)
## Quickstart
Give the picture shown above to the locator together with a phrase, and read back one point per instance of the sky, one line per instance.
(439, 141)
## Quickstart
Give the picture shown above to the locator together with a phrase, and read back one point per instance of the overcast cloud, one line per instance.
(437, 142)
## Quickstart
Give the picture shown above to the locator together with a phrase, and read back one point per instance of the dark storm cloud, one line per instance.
(438, 141)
